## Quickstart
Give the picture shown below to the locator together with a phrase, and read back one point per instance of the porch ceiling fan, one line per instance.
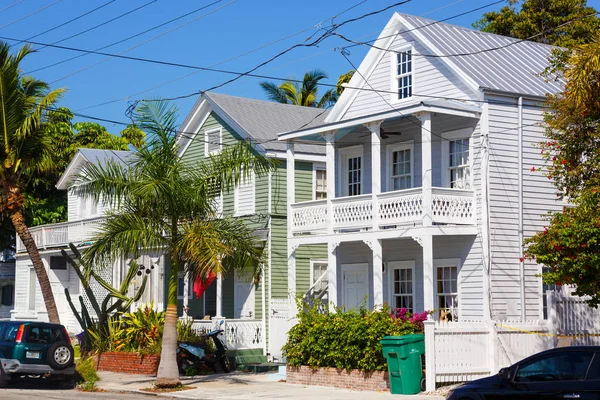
(384, 134)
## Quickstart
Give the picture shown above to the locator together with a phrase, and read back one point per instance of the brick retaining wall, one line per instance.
(128, 363)
(339, 378)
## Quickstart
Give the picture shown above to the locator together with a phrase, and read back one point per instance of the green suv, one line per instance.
(35, 349)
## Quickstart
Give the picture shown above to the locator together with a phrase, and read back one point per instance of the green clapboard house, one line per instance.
(255, 313)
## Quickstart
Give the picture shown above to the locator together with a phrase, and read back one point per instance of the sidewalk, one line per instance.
(242, 386)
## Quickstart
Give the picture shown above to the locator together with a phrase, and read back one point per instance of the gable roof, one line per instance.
(262, 120)
(93, 156)
(512, 66)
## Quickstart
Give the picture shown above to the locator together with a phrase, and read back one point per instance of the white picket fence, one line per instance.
(466, 350)
(240, 334)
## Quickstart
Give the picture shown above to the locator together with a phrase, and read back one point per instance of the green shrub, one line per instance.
(346, 339)
(85, 373)
(186, 333)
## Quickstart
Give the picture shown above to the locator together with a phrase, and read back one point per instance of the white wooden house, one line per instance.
(431, 189)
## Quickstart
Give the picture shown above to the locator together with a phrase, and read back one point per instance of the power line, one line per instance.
(12, 5)
(129, 37)
(54, 44)
(150, 40)
(225, 61)
(28, 15)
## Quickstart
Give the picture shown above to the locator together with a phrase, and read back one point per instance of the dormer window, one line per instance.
(404, 82)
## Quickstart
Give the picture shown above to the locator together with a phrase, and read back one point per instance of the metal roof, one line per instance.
(98, 156)
(515, 67)
(263, 120)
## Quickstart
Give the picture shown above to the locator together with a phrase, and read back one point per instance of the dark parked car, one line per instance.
(563, 373)
(35, 349)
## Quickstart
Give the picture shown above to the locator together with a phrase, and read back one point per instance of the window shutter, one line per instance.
(244, 196)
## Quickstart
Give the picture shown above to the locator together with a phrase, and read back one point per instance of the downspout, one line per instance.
(520, 202)
(485, 213)
(264, 289)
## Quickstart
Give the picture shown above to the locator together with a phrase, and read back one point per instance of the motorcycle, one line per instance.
(194, 356)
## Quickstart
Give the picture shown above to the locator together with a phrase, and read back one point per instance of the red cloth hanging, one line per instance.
(201, 284)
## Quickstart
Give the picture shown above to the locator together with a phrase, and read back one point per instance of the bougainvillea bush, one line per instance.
(346, 339)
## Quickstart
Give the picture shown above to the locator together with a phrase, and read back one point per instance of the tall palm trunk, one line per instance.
(40, 271)
(168, 373)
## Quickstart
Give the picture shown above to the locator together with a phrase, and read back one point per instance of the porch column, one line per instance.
(291, 185)
(332, 275)
(426, 177)
(186, 289)
(330, 166)
(291, 254)
(428, 273)
(219, 296)
(376, 247)
(374, 127)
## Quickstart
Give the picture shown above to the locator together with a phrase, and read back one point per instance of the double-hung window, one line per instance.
(319, 280)
(447, 288)
(400, 166)
(402, 284)
(403, 74)
(352, 170)
(459, 169)
(212, 141)
(320, 183)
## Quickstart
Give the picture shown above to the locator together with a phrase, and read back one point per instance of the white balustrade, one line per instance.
(244, 334)
(453, 206)
(309, 216)
(352, 212)
(400, 206)
(57, 235)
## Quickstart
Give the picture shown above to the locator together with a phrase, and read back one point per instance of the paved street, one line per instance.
(29, 390)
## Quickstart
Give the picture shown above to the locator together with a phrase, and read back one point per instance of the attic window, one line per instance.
(212, 141)
(404, 74)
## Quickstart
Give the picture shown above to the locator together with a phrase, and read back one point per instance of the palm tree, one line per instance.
(165, 204)
(25, 151)
(343, 79)
(301, 95)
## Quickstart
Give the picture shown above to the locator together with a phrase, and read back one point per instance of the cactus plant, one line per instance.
(115, 302)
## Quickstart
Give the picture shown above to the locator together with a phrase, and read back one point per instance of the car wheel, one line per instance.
(60, 355)
(225, 364)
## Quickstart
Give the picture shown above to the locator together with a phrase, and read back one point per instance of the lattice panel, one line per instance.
(305, 218)
(357, 213)
(453, 209)
(400, 209)
(105, 273)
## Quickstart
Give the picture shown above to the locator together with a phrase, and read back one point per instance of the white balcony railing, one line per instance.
(58, 235)
(239, 333)
(400, 207)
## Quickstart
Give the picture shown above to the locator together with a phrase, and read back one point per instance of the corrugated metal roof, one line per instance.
(98, 156)
(515, 68)
(263, 120)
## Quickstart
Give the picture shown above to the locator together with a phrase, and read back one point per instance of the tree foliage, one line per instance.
(569, 245)
(305, 94)
(525, 19)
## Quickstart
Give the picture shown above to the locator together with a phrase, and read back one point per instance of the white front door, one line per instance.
(355, 285)
(243, 296)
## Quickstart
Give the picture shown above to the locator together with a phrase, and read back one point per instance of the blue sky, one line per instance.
(229, 29)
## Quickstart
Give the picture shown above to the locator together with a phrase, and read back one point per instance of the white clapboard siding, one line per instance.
(244, 197)
(430, 77)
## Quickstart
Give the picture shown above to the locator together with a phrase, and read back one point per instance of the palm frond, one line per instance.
(274, 92)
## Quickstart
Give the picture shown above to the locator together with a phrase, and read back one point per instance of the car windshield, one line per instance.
(567, 366)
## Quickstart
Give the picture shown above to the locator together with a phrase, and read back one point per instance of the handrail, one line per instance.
(317, 281)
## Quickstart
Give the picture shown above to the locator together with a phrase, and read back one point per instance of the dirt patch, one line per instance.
(168, 390)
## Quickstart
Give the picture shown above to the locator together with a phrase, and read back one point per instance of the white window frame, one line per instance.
(190, 287)
(345, 153)
(312, 272)
(318, 167)
(31, 288)
(465, 133)
(207, 132)
(394, 265)
(394, 96)
(390, 149)
(236, 202)
(448, 262)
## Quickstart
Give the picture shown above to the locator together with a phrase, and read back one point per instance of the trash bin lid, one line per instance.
(404, 339)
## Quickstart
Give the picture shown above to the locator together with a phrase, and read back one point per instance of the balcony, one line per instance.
(61, 234)
(396, 208)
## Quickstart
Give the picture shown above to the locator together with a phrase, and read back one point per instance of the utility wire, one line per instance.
(12, 5)
(224, 61)
(129, 37)
(150, 40)
(54, 44)
(28, 15)
(69, 21)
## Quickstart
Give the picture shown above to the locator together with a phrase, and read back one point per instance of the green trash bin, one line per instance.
(403, 355)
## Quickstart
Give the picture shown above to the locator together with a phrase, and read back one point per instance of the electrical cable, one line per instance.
(30, 14)
(129, 37)
(12, 5)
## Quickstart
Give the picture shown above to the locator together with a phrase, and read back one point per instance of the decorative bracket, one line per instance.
(371, 126)
(292, 247)
(368, 243)
(333, 245)
(418, 239)
(329, 136)
(420, 114)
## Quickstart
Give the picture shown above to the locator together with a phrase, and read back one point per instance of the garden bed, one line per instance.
(128, 363)
(339, 378)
